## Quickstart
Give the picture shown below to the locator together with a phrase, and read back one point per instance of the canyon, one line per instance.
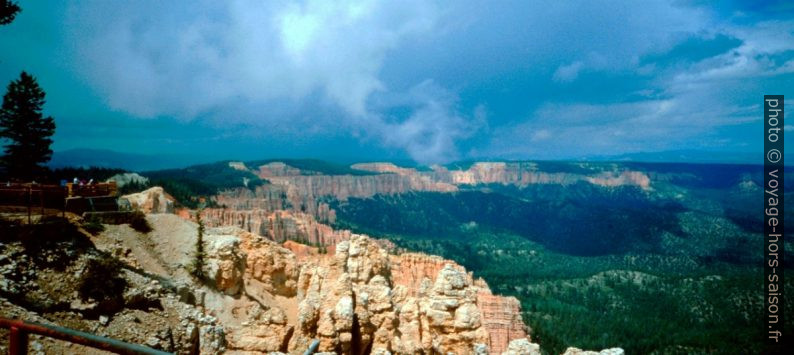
(293, 206)
(295, 278)
(295, 202)
(278, 274)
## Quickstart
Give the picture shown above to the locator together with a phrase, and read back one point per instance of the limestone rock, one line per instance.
(364, 300)
(225, 263)
(270, 264)
(153, 200)
(264, 335)
(128, 178)
(577, 351)
(522, 347)
(275, 225)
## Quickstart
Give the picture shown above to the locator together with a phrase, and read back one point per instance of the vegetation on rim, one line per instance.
(197, 267)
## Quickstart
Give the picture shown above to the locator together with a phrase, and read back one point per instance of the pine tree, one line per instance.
(27, 131)
(8, 11)
(197, 268)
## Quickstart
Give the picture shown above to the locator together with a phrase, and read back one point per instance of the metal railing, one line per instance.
(19, 331)
(312, 348)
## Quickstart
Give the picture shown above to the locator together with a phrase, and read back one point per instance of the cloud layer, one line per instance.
(431, 81)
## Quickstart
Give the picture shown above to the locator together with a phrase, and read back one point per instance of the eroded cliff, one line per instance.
(391, 179)
(359, 300)
(295, 203)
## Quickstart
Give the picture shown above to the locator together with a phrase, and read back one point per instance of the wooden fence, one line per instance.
(40, 199)
(34, 198)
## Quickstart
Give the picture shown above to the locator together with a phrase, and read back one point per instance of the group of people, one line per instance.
(80, 182)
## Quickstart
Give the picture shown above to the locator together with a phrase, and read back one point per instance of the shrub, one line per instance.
(197, 267)
(93, 226)
(139, 223)
(53, 242)
(101, 280)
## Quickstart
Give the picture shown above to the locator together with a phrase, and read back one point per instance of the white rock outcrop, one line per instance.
(153, 200)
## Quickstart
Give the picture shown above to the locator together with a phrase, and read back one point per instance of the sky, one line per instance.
(426, 81)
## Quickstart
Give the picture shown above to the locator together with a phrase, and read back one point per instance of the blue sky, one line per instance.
(421, 80)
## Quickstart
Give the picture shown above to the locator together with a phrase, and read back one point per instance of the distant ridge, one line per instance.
(128, 161)
(85, 157)
(686, 156)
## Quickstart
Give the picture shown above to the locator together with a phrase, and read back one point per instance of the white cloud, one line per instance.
(541, 134)
(568, 73)
(689, 104)
(430, 133)
(753, 58)
(601, 129)
(243, 50)
(241, 61)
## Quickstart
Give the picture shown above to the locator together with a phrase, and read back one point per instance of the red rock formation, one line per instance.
(384, 168)
(410, 269)
(501, 316)
(358, 298)
(305, 191)
(391, 179)
(343, 187)
(278, 169)
(267, 197)
(411, 303)
(277, 226)
(634, 178)
(528, 173)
